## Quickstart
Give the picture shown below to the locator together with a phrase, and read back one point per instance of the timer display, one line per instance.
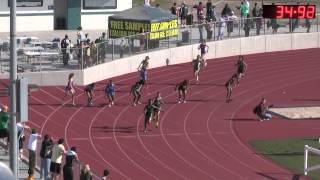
(289, 11)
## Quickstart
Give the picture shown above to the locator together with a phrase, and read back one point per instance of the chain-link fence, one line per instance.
(46, 57)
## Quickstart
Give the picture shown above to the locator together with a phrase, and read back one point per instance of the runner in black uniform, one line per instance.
(157, 103)
(136, 91)
(182, 88)
(228, 85)
(241, 68)
(148, 110)
(196, 63)
(88, 90)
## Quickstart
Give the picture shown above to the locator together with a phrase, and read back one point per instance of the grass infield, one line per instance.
(289, 153)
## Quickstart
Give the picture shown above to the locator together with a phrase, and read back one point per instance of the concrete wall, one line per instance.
(53, 77)
(183, 54)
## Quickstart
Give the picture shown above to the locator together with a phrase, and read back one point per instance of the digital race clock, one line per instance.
(289, 11)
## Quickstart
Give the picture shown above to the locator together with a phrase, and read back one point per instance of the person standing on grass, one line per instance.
(148, 111)
(157, 102)
(229, 85)
(203, 47)
(182, 88)
(136, 91)
(196, 63)
(45, 154)
(32, 147)
(56, 159)
(241, 69)
(110, 92)
(70, 89)
(88, 90)
(71, 156)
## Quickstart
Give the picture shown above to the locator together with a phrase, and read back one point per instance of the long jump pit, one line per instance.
(295, 113)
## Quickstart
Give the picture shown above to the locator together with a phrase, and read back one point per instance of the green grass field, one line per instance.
(289, 153)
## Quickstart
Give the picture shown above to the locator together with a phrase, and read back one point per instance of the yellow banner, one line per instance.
(164, 29)
(158, 30)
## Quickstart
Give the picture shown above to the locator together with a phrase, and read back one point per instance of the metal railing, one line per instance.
(87, 55)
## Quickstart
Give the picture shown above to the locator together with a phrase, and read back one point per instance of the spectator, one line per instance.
(226, 11)
(209, 28)
(190, 19)
(255, 14)
(80, 36)
(228, 14)
(65, 49)
(200, 11)
(142, 39)
(259, 21)
(209, 9)
(211, 13)
(262, 110)
(81, 39)
(308, 22)
(200, 26)
(85, 173)
(21, 137)
(243, 12)
(173, 9)
(221, 26)
(105, 174)
(247, 7)
(274, 25)
(183, 13)
(68, 167)
(123, 46)
(56, 159)
(102, 44)
(32, 147)
(45, 154)
(247, 25)
(4, 123)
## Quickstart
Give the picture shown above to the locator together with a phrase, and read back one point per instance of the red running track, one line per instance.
(202, 139)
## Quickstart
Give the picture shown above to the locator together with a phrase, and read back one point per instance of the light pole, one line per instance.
(13, 77)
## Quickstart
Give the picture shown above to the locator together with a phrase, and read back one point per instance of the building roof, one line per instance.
(144, 13)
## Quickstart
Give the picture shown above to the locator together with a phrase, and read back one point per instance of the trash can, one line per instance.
(185, 36)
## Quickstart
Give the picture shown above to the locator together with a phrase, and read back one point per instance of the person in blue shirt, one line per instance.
(110, 92)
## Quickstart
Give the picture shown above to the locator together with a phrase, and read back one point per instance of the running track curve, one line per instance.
(205, 138)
